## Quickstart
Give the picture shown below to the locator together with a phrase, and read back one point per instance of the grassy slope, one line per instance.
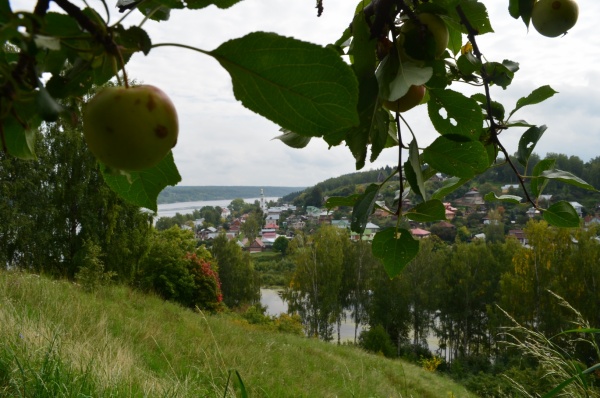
(56, 340)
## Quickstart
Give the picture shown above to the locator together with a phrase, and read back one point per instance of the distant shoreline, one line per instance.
(180, 194)
(171, 209)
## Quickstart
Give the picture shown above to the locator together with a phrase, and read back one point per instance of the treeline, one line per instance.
(198, 193)
(454, 295)
(50, 207)
(59, 218)
(489, 181)
(338, 186)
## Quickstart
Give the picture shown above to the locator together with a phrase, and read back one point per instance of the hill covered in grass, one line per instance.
(58, 341)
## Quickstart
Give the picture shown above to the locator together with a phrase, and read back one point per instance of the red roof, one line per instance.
(419, 232)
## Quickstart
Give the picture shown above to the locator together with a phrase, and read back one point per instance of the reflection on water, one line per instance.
(271, 299)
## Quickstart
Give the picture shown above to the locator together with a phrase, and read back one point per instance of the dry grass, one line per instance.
(56, 340)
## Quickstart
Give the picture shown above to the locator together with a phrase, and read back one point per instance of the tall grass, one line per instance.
(569, 377)
(58, 341)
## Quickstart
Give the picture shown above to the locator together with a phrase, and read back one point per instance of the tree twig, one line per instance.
(494, 128)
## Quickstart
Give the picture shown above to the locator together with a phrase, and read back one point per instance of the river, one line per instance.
(271, 299)
(170, 209)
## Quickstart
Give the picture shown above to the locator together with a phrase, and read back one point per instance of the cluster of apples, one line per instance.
(417, 45)
(554, 18)
(130, 128)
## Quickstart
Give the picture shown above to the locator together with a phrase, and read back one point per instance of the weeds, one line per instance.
(569, 376)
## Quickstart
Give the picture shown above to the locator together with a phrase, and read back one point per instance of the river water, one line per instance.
(170, 209)
(271, 299)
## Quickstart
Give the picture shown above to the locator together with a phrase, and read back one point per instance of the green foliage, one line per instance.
(114, 342)
(317, 280)
(91, 273)
(175, 270)
(51, 206)
(377, 340)
(287, 80)
(239, 281)
(281, 244)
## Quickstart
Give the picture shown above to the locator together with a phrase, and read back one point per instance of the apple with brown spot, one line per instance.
(132, 128)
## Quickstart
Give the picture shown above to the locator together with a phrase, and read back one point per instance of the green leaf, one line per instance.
(371, 120)
(133, 39)
(568, 381)
(538, 95)
(198, 4)
(395, 248)
(537, 185)
(292, 139)
(159, 10)
(363, 208)
(499, 74)
(562, 214)
(5, 12)
(454, 35)
(379, 133)
(20, 142)
(468, 64)
(413, 158)
(519, 123)
(456, 158)
(450, 185)
(439, 79)
(567, 178)
(357, 138)
(432, 210)
(513, 8)
(521, 8)
(497, 108)
(141, 188)
(476, 14)
(491, 196)
(527, 143)
(395, 78)
(463, 114)
(335, 201)
(303, 87)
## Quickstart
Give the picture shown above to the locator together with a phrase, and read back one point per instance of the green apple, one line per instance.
(412, 98)
(554, 18)
(130, 129)
(422, 44)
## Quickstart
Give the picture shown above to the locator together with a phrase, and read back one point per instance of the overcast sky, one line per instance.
(223, 143)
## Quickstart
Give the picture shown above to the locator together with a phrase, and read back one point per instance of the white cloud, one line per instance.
(222, 143)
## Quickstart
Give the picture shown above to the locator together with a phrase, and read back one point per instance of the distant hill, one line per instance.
(343, 185)
(196, 193)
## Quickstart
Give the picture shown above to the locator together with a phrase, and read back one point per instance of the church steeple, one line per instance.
(263, 204)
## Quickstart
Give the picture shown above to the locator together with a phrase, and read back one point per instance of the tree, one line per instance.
(330, 98)
(315, 285)
(281, 244)
(252, 226)
(52, 206)
(240, 283)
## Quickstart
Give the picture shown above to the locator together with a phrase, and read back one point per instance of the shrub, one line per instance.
(292, 324)
(377, 340)
(207, 287)
(91, 273)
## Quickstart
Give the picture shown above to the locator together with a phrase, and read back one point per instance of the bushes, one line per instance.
(377, 340)
(175, 270)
